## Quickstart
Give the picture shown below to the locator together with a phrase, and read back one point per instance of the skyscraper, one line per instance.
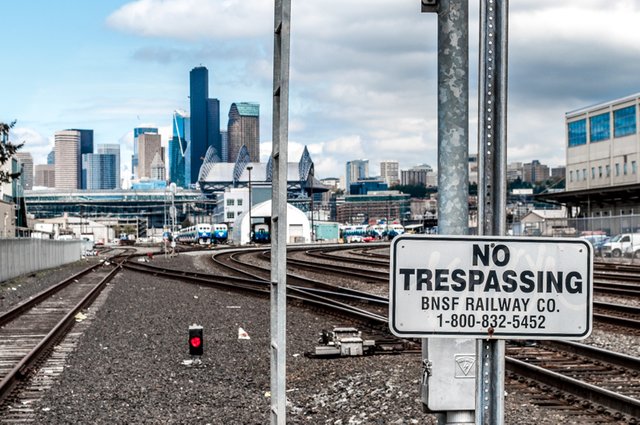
(67, 154)
(45, 175)
(26, 178)
(86, 146)
(99, 170)
(356, 170)
(178, 148)
(213, 125)
(134, 158)
(149, 145)
(112, 149)
(51, 157)
(389, 172)
(205, 123)
(199, 93)
(224, 136)
(244, 129)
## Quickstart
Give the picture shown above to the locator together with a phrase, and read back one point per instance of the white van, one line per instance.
(620, 244)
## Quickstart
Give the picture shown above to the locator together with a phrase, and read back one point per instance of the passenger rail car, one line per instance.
(219, 233)
(261, 233)
(200, 234)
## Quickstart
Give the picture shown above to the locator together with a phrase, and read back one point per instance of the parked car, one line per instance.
(597, 241)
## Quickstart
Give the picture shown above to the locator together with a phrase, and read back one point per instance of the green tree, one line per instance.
(7, 150)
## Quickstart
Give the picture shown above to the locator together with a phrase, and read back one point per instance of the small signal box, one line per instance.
(196, 340)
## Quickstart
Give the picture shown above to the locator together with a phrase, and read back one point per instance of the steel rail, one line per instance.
(23, 367)
(14, 312)
(593, 393)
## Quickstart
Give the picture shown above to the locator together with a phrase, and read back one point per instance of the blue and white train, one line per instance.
(261, 233)
(199, 233)
(219, 233)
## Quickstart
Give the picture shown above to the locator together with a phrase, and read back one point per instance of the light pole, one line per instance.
(249, 168)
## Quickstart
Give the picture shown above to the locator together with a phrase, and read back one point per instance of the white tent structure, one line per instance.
(298, 227)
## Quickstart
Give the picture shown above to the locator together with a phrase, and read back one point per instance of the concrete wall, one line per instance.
(25, 255)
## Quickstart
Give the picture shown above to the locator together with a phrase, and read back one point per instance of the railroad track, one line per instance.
(30, 330)
(579, 373)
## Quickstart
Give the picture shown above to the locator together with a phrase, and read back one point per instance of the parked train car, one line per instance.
(261, 233)
(395, 229)
(127, 240)
(354, 233)
(199, 233)
(219, 233)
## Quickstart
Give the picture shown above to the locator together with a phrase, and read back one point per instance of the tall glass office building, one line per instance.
(100, 171)
(179, 149)
(112, 149)
(205, 123)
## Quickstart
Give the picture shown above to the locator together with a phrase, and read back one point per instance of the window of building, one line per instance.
(624, 121)
(240, 202)
(634, 167)
(577, 132)
(230, 215)
(617, 169)
(608, 170)
(624, 168)
(600, 171)
(571, 175)
(593, 173)
(599, 127)
(584, 174)
(230, 202)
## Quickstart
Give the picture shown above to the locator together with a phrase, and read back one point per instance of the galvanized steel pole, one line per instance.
(492, 161)
(281, 45)
(453, 136)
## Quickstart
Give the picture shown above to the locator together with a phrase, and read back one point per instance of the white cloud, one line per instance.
(194, 19)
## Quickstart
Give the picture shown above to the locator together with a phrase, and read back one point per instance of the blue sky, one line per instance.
(362, 72)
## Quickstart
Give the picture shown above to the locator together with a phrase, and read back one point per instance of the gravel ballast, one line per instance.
(132, 366)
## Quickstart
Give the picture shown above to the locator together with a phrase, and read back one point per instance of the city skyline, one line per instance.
(362, 90)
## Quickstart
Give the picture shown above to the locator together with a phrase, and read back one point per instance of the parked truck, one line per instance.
(621, 244)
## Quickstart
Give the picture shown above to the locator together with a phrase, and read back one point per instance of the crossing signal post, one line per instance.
(196, 340)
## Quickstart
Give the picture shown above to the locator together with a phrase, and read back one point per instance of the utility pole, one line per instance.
(279, 156)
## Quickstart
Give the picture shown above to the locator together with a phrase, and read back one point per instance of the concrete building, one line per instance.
(390, 172)
(243, 129)
(26, 161)
(68, 160)
(603, 144)
(416, 176)
(602, 179)
(135, 157)
(535, 172)
(45, 175)
(149, 145)
(158, 170)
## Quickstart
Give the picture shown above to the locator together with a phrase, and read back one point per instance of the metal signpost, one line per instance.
(492, 191)
(490, 287)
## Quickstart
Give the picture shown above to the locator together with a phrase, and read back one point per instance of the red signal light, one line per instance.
(196, 340)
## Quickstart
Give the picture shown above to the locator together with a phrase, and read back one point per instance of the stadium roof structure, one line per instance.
(217, 176)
